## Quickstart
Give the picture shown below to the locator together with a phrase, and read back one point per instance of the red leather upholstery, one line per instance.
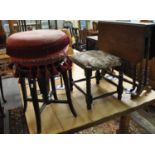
(36, 44)
(40, 48)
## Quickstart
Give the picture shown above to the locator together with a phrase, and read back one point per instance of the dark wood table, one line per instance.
(134, 43)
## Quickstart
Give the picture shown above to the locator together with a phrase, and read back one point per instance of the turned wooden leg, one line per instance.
(33, 91)
(98, 77)
(67, 89)
(88, 74)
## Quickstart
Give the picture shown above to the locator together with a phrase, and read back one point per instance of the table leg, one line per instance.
(124, 124)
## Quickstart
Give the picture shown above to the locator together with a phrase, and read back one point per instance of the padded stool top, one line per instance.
(36, 44)
(96, 59)
(39, 50)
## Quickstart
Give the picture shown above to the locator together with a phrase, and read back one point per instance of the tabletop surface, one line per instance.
(57, 118)
(138, 23)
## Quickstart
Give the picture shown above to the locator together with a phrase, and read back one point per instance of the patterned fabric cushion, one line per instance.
(96, 59)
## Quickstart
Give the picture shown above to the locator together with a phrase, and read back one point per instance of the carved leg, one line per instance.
(88, 74)
(1, 87)
(33, 91)
(98, 77)
(70, 80)
(67, 89)
(24, 92)
(120, 82)
(54, 88)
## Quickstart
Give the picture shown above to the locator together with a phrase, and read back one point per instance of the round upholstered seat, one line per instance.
(33, 49)
(36, 44)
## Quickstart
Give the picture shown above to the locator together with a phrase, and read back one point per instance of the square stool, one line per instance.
(96, 60)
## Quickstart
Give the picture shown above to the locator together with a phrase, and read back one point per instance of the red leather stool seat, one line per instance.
(36, 44)
(39, 48)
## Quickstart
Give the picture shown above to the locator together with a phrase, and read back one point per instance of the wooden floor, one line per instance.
(57, 118)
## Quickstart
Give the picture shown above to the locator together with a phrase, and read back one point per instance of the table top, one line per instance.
(57, 118)
(137, 23)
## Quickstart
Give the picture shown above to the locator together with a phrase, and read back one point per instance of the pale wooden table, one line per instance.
(58, 118)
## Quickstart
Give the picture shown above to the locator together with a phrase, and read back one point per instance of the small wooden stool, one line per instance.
(96, 60)
(38, 56)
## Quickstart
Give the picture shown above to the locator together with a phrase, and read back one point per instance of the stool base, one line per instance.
(88, 76)
(44, 89)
